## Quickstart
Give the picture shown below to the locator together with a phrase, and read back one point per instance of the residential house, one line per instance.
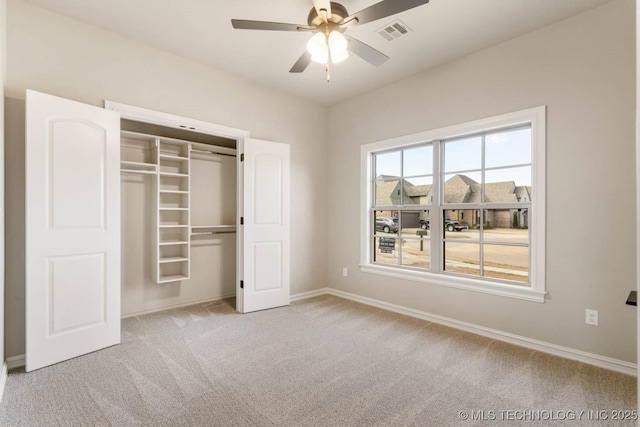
(457, 189)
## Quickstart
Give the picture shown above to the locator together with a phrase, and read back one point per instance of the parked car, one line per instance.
(449, 225)
(387, 224)
(452, 225)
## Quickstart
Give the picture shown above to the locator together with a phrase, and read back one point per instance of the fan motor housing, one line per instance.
(338, 13)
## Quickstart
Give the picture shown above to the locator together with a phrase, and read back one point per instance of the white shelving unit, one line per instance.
(168, 162)
(172, 216)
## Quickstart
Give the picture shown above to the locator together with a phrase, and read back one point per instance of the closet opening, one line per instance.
(179, 196)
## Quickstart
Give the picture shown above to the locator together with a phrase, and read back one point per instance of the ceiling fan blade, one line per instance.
(366, 52)
(323, 4)
(382, 10)
(242, 24)
(302, 63)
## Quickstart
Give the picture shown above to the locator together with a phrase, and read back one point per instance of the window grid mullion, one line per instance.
(490, 205)
(400, 208)
(402, 203)
(436, 244)
(372, 215)
(482, 200)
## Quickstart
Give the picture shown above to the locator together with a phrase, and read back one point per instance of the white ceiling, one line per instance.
(442, 31)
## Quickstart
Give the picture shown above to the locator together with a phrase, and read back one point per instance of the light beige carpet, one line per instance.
(320, 362)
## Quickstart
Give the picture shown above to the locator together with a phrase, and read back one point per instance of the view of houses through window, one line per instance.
(478, 191)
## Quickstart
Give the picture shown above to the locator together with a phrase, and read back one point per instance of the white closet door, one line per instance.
(72, 229)
(265, 233)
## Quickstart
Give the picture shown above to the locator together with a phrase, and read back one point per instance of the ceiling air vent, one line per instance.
(394, 30)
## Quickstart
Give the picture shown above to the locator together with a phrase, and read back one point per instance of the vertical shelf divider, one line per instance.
(155, 156)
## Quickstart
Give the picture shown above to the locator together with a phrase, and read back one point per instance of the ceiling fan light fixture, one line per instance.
(317, 47)
(338, 47)
(327, 20)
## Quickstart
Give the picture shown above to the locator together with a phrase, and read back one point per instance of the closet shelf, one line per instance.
(173, 226)
(179, 175)
(138, 167)
(173, 242)
(212, 149)
(173, 157)
(172, 259)
(174, 209)
(175, 278)
(137, 171)
(138, 136)
(208, 233)
(174, 191)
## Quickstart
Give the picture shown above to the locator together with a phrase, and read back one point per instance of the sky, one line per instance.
(503, 150)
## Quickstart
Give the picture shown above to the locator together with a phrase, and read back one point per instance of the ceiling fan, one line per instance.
(329, 21)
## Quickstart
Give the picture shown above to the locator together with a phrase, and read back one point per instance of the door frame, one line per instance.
(139, 114)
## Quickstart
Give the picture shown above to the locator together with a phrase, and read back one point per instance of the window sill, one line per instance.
(464, 283)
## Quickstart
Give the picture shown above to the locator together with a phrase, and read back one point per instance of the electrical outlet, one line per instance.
(345, 272)
(591, 317)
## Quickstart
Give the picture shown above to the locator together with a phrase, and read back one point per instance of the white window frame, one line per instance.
(536, 117)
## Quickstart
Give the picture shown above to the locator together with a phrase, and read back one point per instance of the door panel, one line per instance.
(265, 234)
(267, 261)
(268, 189)
(72, 229)
(76, 174)
(71, 279)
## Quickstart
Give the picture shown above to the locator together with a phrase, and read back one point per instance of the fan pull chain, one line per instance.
(326, 68)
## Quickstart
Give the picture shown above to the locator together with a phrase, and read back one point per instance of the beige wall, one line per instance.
(60, 56)
(638, 174)
(2, 177)
(583, 70)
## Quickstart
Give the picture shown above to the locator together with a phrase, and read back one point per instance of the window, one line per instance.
(461, 206)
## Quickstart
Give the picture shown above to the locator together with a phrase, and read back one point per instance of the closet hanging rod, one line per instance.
(212, 232)
(207, 152)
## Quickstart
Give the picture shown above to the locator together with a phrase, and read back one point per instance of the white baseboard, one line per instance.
(545, 347)
(310, 294)
(180, 305)
(18, 361)
(3, 379)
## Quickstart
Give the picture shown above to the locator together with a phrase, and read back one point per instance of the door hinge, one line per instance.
(242, 157)
(242, 284)
(241, 220)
